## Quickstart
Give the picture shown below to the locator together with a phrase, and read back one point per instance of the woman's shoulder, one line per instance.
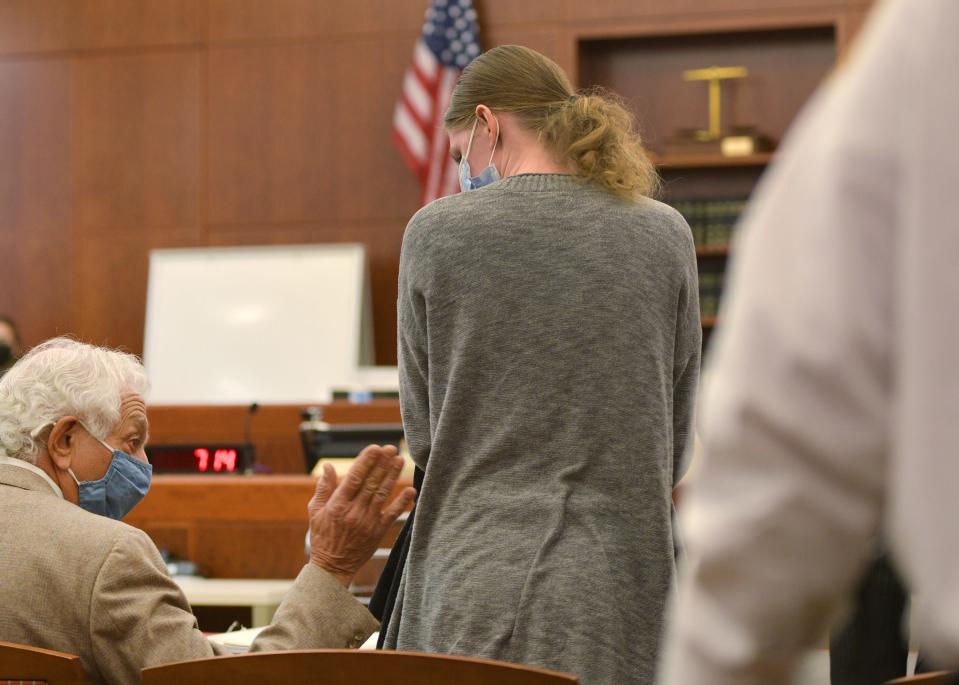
(660, 212)
(447, 221)
(657, 218)
(443, 212)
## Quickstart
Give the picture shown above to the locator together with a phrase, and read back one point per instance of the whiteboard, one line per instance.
(274, 325)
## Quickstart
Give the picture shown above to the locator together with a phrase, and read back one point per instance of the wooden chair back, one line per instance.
(349, 667)
(937, 678)
(22, 663)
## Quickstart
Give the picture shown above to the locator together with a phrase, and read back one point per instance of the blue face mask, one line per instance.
(489, 175)
(125, 483)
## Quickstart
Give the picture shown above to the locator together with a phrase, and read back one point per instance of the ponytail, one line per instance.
(593, 134)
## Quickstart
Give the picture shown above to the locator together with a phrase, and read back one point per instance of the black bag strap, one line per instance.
(384, 596)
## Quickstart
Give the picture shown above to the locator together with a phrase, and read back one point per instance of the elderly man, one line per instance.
(73, 425)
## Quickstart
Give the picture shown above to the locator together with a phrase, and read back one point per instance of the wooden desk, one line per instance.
(262, 596)
(274, 429)
(233, 527)
(244, 526)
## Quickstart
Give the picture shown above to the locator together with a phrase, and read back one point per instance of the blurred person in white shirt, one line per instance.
(831, 418)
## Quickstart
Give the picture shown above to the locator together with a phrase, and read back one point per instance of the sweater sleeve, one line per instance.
(686, 360)
(412, 357)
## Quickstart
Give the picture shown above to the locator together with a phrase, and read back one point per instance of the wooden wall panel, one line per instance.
(30, 26)
(269, 133)
(531, 13)
(35, 25)
(372, 180)
(242, 20)
(631, 10)
(110, 281)
(379, 16)
(136, 140)
(35, 280)
(104, 24)
(35, 144)
(149, 123)
(35, 196)
(541, 39)
(293, 233)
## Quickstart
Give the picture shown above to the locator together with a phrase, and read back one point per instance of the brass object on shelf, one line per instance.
(715, 76)
(741, 141)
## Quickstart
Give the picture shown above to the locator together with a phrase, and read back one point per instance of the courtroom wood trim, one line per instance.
(701, 161)
(239, 526)
(251, 499)
(704, 25)
(79, 53)
(694, 26)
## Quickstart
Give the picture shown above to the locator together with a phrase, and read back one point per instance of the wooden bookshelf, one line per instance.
(712, 251)
(712, 161)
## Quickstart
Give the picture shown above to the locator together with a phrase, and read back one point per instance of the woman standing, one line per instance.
(549, 344)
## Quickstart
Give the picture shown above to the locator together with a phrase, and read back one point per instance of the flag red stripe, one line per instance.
(435, 186)
(415, 116)
(411, 161)
(429, 84)
(427, 87)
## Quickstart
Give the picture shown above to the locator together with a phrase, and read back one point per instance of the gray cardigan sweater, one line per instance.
(549, 345)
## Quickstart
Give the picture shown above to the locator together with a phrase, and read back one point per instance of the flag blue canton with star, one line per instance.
(451, 32)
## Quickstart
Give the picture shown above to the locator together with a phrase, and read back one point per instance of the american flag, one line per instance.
(450, 41)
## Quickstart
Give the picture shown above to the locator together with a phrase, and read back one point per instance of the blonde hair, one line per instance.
(593, 133)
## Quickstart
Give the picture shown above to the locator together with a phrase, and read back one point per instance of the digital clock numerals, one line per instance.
(223, 460)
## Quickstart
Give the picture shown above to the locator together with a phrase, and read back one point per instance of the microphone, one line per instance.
(250, 411)
(249, 454)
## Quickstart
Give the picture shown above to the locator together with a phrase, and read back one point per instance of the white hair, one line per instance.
(63, 377)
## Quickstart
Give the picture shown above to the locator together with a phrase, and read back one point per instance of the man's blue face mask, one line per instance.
(125, 483)
(489, 175)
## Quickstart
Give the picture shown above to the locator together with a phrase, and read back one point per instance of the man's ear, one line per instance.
(61, 443)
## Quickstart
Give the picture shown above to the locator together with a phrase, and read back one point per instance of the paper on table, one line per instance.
(239, 641)
(236, 641)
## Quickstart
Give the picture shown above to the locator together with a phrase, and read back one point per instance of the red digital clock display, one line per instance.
(207, 459)
(222, 460)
